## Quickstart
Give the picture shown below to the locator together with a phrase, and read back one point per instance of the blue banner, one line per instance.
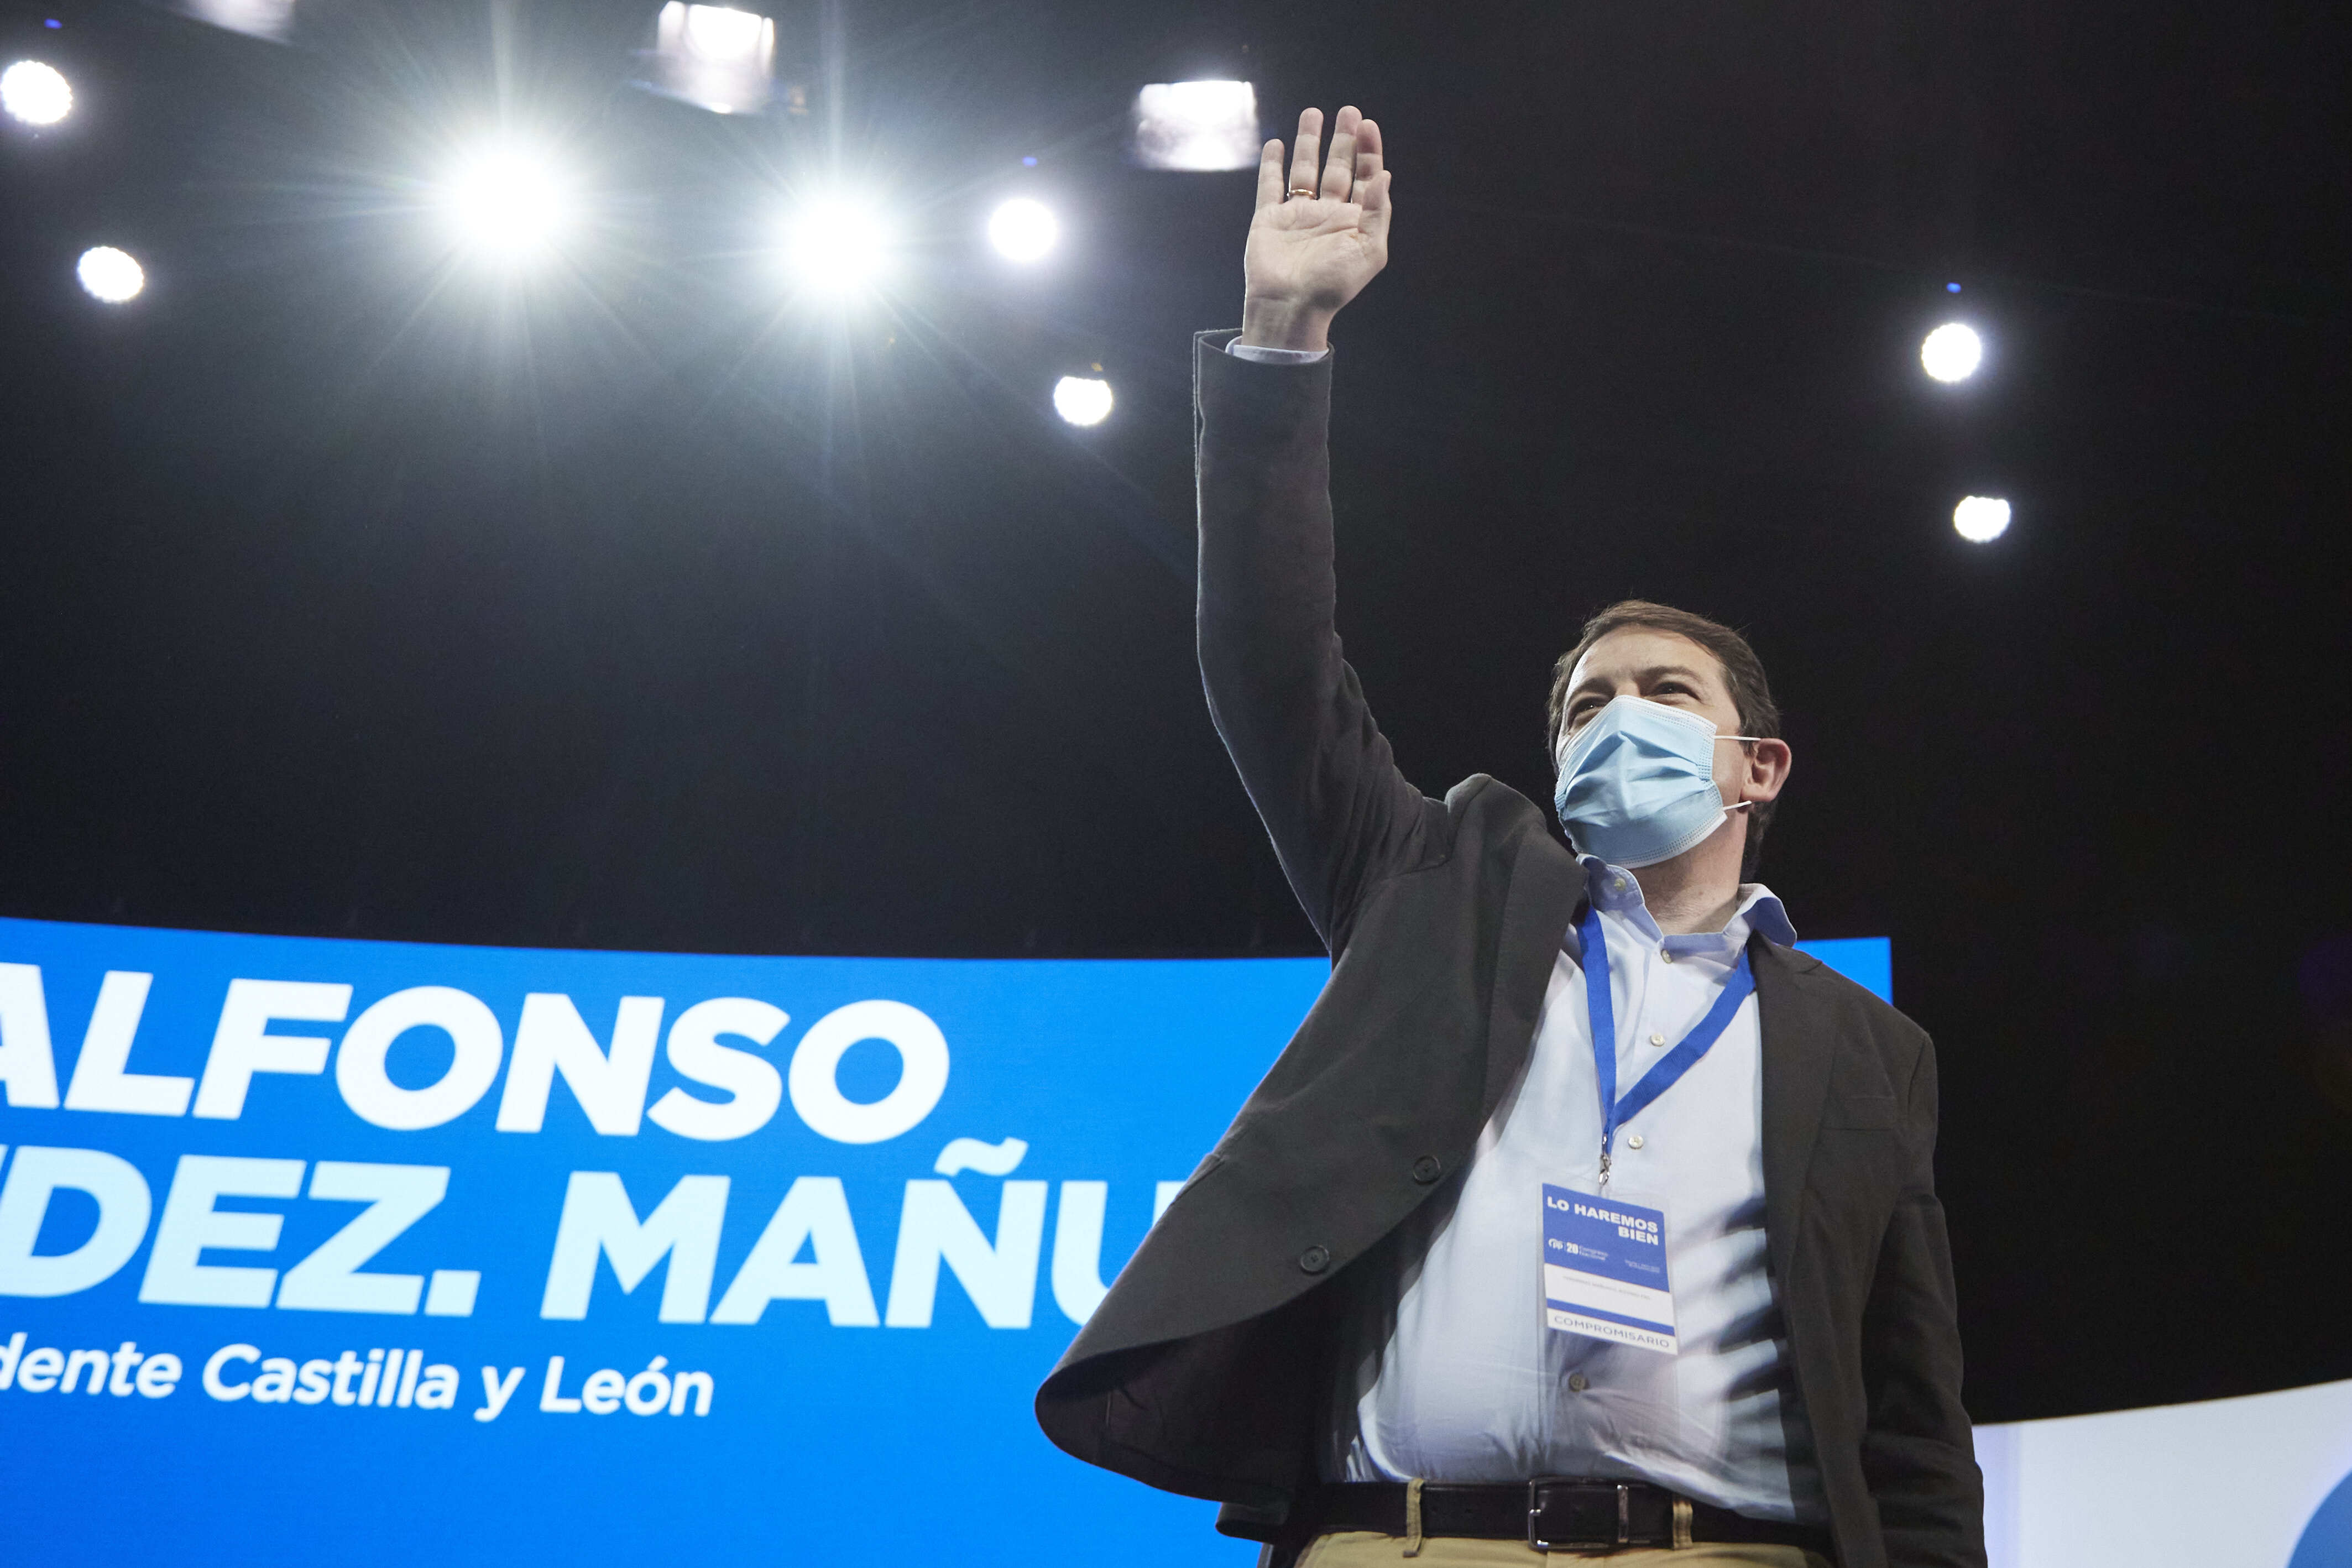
(318, 1250)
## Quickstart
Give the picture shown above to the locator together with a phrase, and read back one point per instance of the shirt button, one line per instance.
(1578, 1383)
(1314, 1259)
(1634, 1142)
(1665, 958)
(1426, 1169)
(1657, 1039)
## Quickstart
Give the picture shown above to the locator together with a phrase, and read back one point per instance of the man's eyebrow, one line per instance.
(1655, 672)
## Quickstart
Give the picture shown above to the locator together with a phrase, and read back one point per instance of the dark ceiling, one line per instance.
(346, 594)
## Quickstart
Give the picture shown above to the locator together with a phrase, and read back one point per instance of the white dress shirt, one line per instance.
(1453, 1376)
(1260, 355)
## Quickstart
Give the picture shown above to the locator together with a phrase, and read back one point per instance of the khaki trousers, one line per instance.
(1367, 1547)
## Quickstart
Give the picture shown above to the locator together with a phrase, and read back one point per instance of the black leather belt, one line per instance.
(1550, 1515)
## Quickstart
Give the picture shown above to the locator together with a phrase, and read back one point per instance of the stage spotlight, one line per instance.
(109, 273)
(507, 202)
(1197, 125)
(838, 247)
(1023, 230)
(35, 93)
(1980, 520)
(269, 19)
(715, 57)
(1952, 352)
(1082, 400)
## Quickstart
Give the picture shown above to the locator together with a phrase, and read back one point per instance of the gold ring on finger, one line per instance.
(1305, 191)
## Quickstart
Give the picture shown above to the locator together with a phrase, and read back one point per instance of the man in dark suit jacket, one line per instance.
(1336, 1328)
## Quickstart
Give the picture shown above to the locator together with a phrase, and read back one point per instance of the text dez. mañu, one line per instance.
(1584, 1215)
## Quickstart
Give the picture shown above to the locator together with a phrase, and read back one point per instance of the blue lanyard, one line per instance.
(1667, 1070)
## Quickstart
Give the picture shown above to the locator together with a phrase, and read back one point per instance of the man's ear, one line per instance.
(1768, 770)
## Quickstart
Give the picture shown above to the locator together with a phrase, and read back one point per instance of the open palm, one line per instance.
(1318, 237)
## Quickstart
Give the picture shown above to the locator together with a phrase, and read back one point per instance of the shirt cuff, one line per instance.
(1262, 355)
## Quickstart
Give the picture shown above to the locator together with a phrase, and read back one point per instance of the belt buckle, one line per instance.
(1599, 1514)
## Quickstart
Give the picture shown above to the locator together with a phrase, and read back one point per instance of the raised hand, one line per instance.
(1316, 237)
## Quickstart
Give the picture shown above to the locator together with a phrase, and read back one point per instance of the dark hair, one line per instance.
(1743, 676)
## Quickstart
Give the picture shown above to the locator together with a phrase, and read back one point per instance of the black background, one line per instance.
(347, 591)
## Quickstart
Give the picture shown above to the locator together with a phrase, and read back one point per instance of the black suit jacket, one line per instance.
(1208, 1368)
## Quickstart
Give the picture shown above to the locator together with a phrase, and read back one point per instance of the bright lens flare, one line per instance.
(1023, 230)
(507, 202)
(1082, 400)
(109, 273)
(269, 19)
(36, 93)
(1980, 520)
(837, 248)
(714, 56)
(1197, 125)
(721, 33)
(1952, 352)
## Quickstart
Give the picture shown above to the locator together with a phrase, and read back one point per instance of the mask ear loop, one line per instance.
(1751, 740)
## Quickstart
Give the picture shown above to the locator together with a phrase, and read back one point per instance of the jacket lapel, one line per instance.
(1546, 887)
(1797, 1044)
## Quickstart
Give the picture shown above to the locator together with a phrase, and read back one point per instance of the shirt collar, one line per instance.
(1616, 890)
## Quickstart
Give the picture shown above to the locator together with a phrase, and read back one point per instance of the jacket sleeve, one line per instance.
(1918, 1455)
(1288, 707)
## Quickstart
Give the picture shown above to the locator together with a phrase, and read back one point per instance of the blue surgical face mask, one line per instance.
(1637, 783)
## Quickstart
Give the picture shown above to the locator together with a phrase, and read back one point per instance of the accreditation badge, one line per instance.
(1605, 1270)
